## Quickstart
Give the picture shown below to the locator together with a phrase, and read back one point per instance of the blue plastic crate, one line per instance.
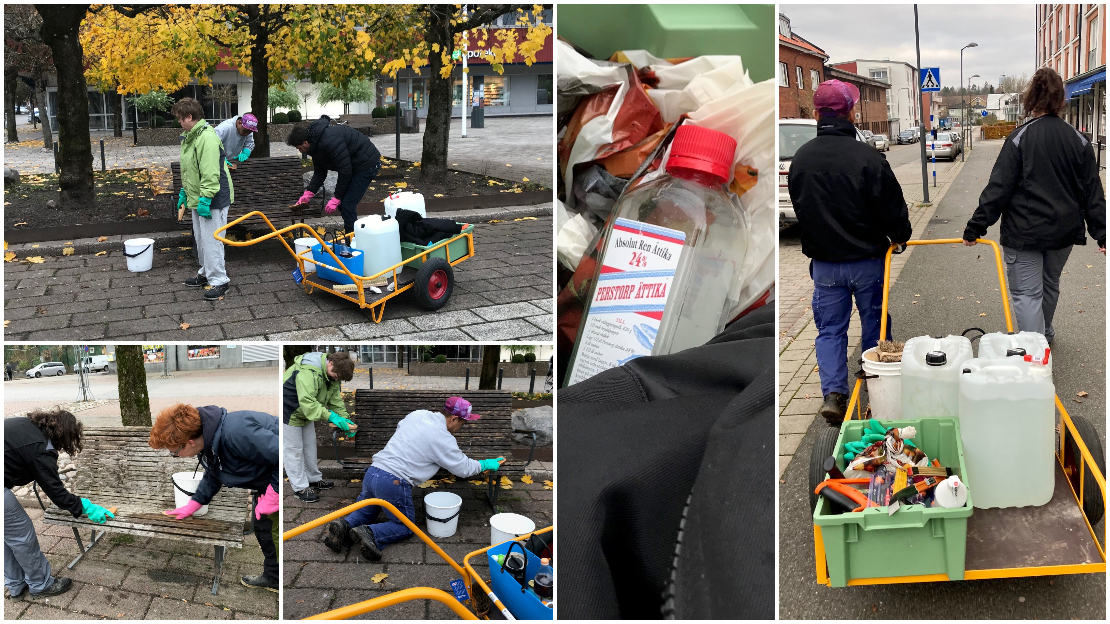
(524, 605)
(353, 264)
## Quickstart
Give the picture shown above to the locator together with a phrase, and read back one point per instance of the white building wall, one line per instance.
(904, 97)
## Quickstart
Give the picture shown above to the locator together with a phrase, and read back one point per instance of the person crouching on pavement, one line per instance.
(312, 392)
(236, 449)
(423, 443)
(850, 209)
(237, 136)
(207, 191)
(31, 447)
(344, 150)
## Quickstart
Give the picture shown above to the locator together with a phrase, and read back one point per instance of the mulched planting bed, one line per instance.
(403, 175)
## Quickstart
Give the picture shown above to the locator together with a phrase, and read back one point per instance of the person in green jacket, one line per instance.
(207, 191)
(312, 393)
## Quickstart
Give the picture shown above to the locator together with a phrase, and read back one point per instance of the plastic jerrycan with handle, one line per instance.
(931, 368)
(1016, 345)
(404, 199)
(379, 239)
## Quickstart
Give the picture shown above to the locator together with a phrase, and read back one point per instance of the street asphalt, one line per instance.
(924, 301)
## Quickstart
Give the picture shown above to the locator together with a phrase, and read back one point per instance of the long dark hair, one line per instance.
(1044, 93)
(62, 428)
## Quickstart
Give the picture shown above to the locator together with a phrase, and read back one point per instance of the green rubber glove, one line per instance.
(228, 163)
(96, 513)
(872, 438)
(243, 155)
(877, 427)
(342, 423)
(182, 198)
(204, 207)
(491, 464)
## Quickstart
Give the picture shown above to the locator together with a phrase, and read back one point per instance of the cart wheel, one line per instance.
(823, 446)
(1093, 505)
(434, 282)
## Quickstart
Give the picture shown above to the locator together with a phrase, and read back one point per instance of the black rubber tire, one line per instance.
(1093, 505)
(38, 375)
(822, 447)
(435, 281)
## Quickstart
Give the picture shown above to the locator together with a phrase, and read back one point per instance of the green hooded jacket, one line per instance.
(203, 170)
(308, 394)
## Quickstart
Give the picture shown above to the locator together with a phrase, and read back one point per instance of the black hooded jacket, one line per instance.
(422, 230)
(240, 450)
(339, 148)
(29, 456)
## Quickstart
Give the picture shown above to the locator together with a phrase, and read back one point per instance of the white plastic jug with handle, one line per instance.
(1016, 345)
(379, 239)
(407, 200)
(139, 253)
(931, 376)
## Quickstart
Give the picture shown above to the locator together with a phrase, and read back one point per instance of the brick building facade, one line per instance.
(1071, 40)
(801, 68)
(870, 113)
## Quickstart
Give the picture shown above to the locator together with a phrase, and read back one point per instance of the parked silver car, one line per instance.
(944, 146)
(882, 143)
(47, 369)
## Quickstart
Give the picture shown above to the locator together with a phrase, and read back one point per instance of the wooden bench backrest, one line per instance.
(266, 184)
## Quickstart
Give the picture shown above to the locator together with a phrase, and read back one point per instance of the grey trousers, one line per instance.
(209, 250)
(1034, 280)
(299, 455)
(24, 564)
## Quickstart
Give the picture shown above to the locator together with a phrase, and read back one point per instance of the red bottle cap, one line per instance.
(701, 149)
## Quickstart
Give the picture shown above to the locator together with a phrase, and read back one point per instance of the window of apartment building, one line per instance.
(879, 74)
(801, 83)
(1093, 41)
(784, 76)
(814, 79)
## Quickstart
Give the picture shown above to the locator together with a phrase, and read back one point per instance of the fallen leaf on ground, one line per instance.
(35, 259)
(185, 326)
(982, 314)
(20, 223)
(427, 484)
(1081, 394)
(471, 482)
(378, 578)
(526, 479)
(69, 251)
(506, 483)
(525, 219)
(34, 245)
(401, 184)
(495, 221)
(9, 256)
(508, 165)
(102, 239)
(101, 253)
(438, 195)
(547, 485)
(525, 180)
(6, 323)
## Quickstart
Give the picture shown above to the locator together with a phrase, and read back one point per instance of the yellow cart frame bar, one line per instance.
(1087, 468)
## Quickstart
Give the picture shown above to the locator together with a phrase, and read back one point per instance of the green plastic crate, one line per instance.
(914, 541)
(412, 250)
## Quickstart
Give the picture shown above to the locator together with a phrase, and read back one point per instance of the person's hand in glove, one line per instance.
(181, 198)
(305, 198)
(491, 464)
(184, 511)
(244, 154)
(96, 513)
(342, 423)
(267, 503)
(333, 205)
(204, 207)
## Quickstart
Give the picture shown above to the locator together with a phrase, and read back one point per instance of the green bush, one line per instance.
(378, 112)
(294, 116)
(427, 357)
(390, 111)
(280, 118)
(174, 123)
(440, 359)
(518, 358)
(529, 357)
(157, 122)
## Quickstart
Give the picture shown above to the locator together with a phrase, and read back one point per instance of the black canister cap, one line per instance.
(936, 358)
(1018, 351)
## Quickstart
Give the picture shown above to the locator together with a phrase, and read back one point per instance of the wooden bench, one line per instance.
(117, 468)
(377, 413)
(270, 185)
(367, 125)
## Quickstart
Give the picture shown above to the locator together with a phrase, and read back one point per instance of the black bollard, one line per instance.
(371, 371)
(57, 167)
(500, 376)
(532, 383)
(103, 164)
(467, 386)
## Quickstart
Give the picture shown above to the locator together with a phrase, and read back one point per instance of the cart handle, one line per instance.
(947, 241)
(478, 579)
(396, 598)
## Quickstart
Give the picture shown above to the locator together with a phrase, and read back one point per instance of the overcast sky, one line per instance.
(1005, 33)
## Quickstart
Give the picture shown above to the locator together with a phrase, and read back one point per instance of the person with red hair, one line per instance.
(236, 449)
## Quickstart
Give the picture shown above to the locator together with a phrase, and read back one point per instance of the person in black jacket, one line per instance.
(236, 449)
(1044, 186)
(31, 447)
(850, 209)
(342, 149)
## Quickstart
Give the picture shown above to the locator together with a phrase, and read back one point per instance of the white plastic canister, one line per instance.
(380, 240)
(407, 200)
(1004, 345)
(931, 376)
(302, 245)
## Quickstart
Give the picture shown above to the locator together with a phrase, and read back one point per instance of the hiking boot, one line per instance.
(322, 485)
(260, 582)
(61, 585)
(832, 410)
(9, 596)
(367, 545)
(307, 495)
(216, 292)
(337, 534)
(196, 281)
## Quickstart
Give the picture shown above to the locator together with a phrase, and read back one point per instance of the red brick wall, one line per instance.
(795, 103)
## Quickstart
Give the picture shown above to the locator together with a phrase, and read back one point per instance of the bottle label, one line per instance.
(629, 298)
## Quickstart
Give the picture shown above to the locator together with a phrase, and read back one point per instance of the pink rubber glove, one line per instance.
(184, 511)
(308, 195)
(333, 205)
(267, 503)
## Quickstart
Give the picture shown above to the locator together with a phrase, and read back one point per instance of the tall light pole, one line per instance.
(970, 78)
(921, 100)
(963, 126)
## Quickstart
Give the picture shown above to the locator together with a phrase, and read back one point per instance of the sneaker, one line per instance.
(196, 281)
(337, 534)
(9, 596)
(216, 292)
(367, 545)
(61, 585)
(322, 485)
(260, 582)
(307, 495)
(833, 409)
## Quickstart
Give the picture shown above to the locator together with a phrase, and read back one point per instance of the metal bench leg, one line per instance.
(335, 445)
(494, 491)
(531, 451)
(94, 537)
(219, 568)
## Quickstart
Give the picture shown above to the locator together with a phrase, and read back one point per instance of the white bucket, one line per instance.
(302, 245)
(187, 481)
(506, 526)
(442, 511)
(140, 254)
(885, 390)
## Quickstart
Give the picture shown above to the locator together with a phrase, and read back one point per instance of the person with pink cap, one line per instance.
(423, 443)
(237, 135)
(850, 209)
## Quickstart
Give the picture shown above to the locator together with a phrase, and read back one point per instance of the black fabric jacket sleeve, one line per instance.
(892, 213)
(319, 174)
(340, 156)
(999, 190)
(208, 487)
(44, 465)
(1094, 208)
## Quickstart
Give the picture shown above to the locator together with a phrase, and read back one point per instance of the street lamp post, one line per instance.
(963, 107)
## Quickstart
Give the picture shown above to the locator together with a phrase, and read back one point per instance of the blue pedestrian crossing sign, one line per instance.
(930, 79)
(985, 113)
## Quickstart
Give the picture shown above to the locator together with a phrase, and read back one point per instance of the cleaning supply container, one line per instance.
(522, 602)
(380, 240)
(914, 540)
(184, 486)
(353, 264)
(884, 385)
(442, 511)
(139, 253)
(931, 375)
(507, 526)
(404, 199)
(1005, 345)
(1008, 427)
(302, 245)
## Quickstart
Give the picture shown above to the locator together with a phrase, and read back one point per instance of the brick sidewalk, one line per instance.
(503, 293)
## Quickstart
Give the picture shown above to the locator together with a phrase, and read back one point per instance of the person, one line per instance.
(237, 136)
(31, 446)
(236, 449)
(342, 149)
(312, 393)
(206, 190)
(1044, 186)
(423, 443)
(9, 370)
(850, 208)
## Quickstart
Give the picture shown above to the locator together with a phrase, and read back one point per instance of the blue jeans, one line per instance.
(834, 284)
(348, 204)
(377, 483)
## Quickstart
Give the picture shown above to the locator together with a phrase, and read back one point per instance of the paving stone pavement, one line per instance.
(318, 580)
(504, 293)
(134, 578)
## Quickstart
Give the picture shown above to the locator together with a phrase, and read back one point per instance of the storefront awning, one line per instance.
(1084, 85)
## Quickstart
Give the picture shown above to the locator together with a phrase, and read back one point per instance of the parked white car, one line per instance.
(92, 363)
(882, 143)
(47, 369)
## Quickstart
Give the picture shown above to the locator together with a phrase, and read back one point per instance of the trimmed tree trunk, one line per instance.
(291, 351)
(491, 356)
(44, 118)
(437, 129)
(134, 402)
(260, 83)
(10, 78)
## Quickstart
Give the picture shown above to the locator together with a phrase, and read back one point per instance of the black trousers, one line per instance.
(265, 531)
